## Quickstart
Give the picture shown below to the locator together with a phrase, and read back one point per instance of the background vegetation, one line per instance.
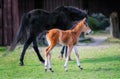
(98, 21)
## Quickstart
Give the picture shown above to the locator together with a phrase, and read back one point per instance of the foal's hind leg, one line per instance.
(35, 46)
(27, 43)
(48, 63)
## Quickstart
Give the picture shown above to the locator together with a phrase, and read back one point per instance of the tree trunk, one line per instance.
(115, 28)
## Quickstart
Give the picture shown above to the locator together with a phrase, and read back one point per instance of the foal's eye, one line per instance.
(85, 23)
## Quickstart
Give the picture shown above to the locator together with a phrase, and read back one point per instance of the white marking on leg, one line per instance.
(49, 64)
(77, 56)
(49, 61)
(46, 61)
(66, 62)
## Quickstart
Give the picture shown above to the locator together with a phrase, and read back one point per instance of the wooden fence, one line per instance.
(12, 10)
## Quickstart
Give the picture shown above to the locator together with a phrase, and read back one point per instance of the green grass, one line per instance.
(99, 62)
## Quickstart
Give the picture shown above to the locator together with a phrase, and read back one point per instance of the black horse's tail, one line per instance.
(21, 31)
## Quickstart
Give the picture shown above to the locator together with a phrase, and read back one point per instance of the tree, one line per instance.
(115, 27)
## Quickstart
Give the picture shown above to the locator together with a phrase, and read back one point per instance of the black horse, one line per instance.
(37, 21)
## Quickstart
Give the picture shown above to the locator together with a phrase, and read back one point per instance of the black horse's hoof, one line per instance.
(51, 70)
(42, 61)
(21, 64)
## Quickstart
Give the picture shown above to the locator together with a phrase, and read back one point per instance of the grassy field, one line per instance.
(99, 62)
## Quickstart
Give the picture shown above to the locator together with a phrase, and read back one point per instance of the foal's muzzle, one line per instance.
(90, 31)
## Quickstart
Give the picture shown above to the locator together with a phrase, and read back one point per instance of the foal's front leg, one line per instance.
(67, 58)
(77, 58)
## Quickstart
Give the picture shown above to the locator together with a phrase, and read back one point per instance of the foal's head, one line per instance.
(86, 29)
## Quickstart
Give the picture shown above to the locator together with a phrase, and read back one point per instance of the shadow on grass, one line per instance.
(102, 59)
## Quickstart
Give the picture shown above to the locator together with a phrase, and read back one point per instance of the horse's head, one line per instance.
(66, 15)
(74, 13)
(86, 29)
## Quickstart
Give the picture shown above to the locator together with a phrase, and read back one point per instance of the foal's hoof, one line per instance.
(80, 67)
(66, 69)
(21, 64)
(51, 70)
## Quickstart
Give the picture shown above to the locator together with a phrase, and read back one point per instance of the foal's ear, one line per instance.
(84, 20)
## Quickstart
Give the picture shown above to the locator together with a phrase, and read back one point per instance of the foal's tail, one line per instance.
(21, 31)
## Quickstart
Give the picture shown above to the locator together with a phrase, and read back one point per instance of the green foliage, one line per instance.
(98, 22)
(2, 49)
(104, 23)
(93, 23)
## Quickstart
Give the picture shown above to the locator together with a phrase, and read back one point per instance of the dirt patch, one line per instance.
(96, 40)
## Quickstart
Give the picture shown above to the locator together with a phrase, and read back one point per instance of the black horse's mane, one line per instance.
(71, 8)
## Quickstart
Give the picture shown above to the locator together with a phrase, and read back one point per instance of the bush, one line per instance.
(93, 23)
(98, 21)
(104, 23)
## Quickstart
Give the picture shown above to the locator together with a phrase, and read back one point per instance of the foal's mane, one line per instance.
(71, 8)
(77, 23)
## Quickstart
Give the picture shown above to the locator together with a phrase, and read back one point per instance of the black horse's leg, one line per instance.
(27, 43)
(66, 51)
(35, 46)
(62, 52)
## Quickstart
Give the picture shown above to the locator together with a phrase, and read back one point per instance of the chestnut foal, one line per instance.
(68, 38)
